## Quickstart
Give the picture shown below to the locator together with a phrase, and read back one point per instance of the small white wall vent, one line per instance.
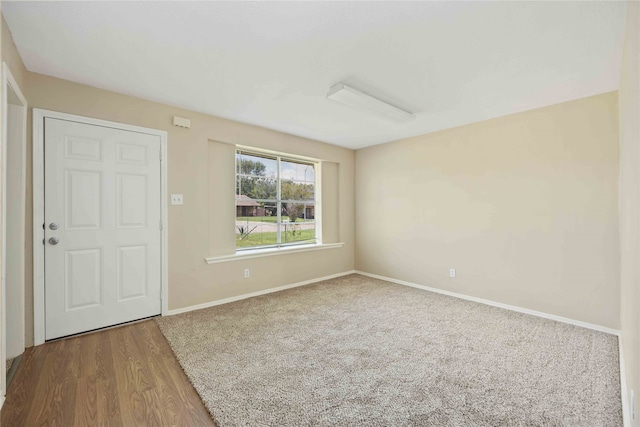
(181, 122)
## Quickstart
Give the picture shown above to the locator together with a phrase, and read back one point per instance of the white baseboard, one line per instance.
(624, 392)
(497, 304)
(1, 401)
(255, 294)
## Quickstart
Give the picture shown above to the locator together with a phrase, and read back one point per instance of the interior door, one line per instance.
(102, 226)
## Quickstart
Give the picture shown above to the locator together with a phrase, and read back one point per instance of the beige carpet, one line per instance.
(356, 351)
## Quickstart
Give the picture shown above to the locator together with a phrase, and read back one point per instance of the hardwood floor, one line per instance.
(125, 376)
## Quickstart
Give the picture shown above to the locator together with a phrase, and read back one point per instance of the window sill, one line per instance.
(259, 253)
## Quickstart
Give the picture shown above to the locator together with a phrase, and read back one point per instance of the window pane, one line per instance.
(298, 212)
(296, 190)
(256, 225)
(255, 188)
(256, 165)
(298, 232)
(297, 171)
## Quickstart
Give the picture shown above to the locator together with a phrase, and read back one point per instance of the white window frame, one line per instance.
(317, 199)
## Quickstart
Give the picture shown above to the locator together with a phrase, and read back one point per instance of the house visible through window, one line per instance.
(275, 201)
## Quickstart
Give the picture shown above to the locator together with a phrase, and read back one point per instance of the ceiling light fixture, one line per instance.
(355, 98)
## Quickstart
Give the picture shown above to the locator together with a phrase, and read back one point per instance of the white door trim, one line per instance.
(38, 209)
(9, 81)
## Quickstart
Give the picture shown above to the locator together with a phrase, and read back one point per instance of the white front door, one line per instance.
(102, 213)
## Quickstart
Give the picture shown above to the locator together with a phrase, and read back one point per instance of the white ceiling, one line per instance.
(272, 63)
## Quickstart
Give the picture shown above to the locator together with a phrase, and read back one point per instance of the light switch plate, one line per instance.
(176, 199)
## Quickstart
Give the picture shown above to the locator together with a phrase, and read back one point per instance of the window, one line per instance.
(275, 201)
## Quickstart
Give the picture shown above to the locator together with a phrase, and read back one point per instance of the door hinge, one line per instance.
(160, 154)
(160, 225)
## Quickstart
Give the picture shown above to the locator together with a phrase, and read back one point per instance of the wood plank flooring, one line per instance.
(125, 376)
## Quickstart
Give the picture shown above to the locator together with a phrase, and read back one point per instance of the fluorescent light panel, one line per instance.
(355, 98)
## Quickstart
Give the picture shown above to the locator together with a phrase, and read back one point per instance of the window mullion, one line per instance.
(279, 204)
(238, 178)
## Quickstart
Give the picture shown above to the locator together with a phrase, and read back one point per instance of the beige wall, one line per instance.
(525, 207)
(191, 237)
(630, 199)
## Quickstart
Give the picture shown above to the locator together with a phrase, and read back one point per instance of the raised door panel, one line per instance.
(131, 154)
(132, 201)
(80, 148)
(83, 279)
(83, 198)
(132, 272)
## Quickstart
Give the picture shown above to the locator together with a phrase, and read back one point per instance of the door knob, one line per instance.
(53, 226)
(54, 240)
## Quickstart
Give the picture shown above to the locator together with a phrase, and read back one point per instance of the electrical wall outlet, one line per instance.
(452, 272)
(176, 199)
(247, 273)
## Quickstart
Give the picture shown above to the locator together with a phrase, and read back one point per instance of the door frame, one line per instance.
(38, 209)
(8, 81)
